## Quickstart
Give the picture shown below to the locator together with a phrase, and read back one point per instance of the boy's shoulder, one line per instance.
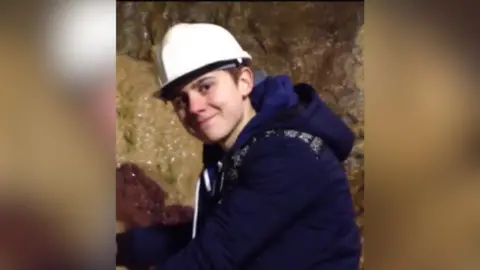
(279, 145)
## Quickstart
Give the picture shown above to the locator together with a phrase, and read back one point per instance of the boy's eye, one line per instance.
(203, 88)
(180, 100)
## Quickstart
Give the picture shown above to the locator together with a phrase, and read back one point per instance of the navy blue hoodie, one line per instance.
(289, 210)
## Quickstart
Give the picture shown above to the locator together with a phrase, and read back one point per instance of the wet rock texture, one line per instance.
(318, 43)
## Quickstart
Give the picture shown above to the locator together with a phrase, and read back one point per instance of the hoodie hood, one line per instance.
(272, 97)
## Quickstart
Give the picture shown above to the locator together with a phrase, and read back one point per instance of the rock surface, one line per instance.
(141, 201)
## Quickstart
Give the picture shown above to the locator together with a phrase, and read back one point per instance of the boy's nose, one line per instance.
(196, 102)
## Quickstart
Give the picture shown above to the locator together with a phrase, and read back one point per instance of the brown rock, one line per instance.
(141, 201)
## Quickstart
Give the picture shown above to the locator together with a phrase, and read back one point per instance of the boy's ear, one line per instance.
(245, 81)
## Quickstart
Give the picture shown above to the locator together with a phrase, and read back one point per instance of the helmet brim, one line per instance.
(167, 91)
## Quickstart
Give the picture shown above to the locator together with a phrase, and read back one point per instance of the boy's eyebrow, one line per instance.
(194, 85)
(201, 80)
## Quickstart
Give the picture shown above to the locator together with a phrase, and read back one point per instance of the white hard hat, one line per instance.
(195, 48)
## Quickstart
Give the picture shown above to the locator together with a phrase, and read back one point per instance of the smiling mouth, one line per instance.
(205, 121)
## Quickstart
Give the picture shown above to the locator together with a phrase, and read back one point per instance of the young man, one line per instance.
(274, 194)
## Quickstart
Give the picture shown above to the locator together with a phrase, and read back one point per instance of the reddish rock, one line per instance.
(141, 201)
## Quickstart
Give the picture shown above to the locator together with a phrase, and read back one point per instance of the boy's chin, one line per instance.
(209, 139)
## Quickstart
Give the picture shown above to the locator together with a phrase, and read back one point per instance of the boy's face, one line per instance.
(212, 106)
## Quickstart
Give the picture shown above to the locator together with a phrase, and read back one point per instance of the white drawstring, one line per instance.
(208, 186)
(219, 164)
(195, 215)
(206, 178)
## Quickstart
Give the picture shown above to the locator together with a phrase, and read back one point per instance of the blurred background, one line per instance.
(422, 165)
(56, 166)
